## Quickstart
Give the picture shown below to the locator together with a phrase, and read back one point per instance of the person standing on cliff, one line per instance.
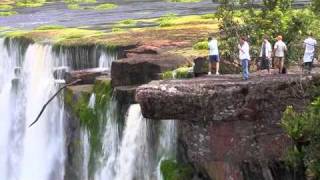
(279, 51)
(309, 53)
(213, 55)
(265, 54)
(244, 56)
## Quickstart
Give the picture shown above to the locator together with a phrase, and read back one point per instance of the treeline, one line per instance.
(275, 17)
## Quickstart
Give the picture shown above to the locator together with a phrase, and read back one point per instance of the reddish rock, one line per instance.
(143, 68)
(229, 127)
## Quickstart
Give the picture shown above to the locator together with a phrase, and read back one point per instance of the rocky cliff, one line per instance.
(230, 128)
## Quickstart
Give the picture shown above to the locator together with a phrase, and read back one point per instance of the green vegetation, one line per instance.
(7, 13)
(30, 3)
(184, 1)
(91, 119)
(201, 45)
(166, 20)
(105, 6)
(49, 27)
(180, 73)
(171, 170)
(279, 18)
(74, 6)
(304, 130)
(5, 7)
(79, 1)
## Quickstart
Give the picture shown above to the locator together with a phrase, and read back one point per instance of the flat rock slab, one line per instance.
(227, 97)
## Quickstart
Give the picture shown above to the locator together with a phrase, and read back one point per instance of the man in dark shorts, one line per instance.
(213, 55)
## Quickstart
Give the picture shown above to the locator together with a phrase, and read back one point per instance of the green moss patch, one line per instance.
(49, 27)
(180, 73)
(184, 1)
(30, 3)
(201, 45)
(5, 7)
(105, 6)
(8, 13)
(77, 98)
(171, 170)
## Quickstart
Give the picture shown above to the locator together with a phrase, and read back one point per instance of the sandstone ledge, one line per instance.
(222, 97)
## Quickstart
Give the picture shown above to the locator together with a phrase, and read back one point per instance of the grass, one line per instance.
(49, 27)
(79, 1)
(74, 6)
(184, 1)
(105, 6)
(8, 13)
(30, 3)
(201, 45)
(5, 7)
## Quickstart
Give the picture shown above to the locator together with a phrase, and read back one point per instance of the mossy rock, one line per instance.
(171, 170)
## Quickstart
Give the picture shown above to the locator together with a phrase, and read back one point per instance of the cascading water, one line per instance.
(132, 157)
(105, 61)
(37, 152)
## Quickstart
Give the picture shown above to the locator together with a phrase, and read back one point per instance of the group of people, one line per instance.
(266, 53)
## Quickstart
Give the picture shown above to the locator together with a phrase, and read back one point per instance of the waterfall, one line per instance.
(133, 156)
(105, 61)
(37, 152)
(85, 153)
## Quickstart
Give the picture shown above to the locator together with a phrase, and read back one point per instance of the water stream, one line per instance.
(27, 83)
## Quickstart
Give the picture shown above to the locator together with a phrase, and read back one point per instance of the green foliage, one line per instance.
(303, 128)
(184, 1)
(171, 170)
(208, 16)
(201, 45)
(92, 119)
(106, 6)
(74, 6)
(167, 75)
(49, 27)
(180, 73)
(277, 19)
(30, 3)
(183, 72)
(5, 7)
(79, 1)
(7, 13)
(316, 6)
(166, 20)
(293, 123)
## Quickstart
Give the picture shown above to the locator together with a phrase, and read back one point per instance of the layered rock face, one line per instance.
(228, 127)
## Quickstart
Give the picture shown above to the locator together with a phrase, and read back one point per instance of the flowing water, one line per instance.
(133, 150)
(27, 82)
(138, 154)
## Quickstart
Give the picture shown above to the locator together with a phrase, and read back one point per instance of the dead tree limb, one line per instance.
(52, 97)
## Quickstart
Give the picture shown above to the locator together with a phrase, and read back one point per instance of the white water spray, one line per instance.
(105, 61)
(37, 152)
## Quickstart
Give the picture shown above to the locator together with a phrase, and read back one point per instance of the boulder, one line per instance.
(140, 69)
(226, 67)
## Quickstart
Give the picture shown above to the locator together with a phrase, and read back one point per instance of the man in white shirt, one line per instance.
(279, 51)
(213, 55)
(265, 54)
(309, 53)
(244, 56)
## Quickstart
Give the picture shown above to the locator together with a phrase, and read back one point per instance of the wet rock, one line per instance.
(88, 76)
(140, 69)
